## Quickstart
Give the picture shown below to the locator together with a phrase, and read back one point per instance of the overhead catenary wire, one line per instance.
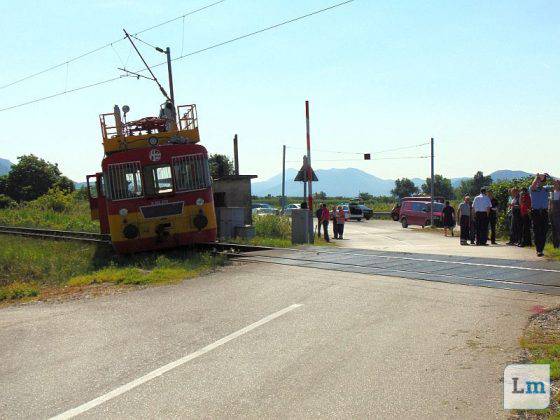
(178, 58)
(362, 160)
(107, 45)
(362, 153)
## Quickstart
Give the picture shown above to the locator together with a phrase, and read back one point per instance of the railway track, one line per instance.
(68, 235)
(55, 234)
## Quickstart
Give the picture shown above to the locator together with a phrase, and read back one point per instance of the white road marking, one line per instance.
(392, 257)
(160, 371)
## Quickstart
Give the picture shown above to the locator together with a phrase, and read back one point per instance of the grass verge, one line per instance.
(30, 266)
(277, 242)
(551, 252)
(541, 345)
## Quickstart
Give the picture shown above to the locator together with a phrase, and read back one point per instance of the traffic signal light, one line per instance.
(367, 156)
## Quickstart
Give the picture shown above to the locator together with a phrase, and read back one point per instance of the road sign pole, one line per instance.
(432, 187)
(283, 178)
(309, 172)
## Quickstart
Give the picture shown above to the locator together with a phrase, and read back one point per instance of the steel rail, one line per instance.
(102, 238)
(55, 234)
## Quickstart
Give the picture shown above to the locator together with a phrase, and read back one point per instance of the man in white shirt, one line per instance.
(481, 207)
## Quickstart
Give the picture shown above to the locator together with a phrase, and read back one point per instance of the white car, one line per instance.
(290, 207)
(355, 214)
(263, 208)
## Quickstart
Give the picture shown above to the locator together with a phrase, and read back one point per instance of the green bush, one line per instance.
(55, 199)
(55, 210)
(6, 202)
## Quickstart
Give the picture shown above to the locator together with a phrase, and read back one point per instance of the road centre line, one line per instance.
(170, 366)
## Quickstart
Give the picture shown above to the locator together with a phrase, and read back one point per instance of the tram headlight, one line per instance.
(123, 212)
(200, 221)
(131, 231)
(199, 201)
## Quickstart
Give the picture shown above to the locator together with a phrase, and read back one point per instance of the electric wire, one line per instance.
(109, 44)
(177, 58)
(361, 153)
(361, 160)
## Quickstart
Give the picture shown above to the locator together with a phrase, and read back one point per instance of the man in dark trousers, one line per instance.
(482, 206)
(464, 216)
(516, 223)
(325, 217)
(539, 211)
(493, 217)
(318, 214)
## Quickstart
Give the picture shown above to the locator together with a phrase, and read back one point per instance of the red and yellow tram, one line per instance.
(155, 188)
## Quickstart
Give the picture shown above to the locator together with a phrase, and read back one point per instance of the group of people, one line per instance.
(324, 216)
(529, 209)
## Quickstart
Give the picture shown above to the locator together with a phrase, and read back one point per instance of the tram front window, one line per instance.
(158, 179)
(123, 181)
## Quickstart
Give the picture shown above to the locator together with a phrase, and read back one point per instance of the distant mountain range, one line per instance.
(350, 182)
(5, 166)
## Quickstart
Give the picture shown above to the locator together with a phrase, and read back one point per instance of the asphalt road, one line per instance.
(386, 235)
(232, 344)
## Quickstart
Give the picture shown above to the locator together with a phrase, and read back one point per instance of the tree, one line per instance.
(32, 177)
(404, 187)
(65, 184)
(220, 166)
(3, 184)
(364, 196)
(442, 187)
(321, 195)
(472, 186)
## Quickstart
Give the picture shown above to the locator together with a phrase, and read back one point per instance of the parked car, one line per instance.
(396, 212)
(352, 212)
(366, 211)
(264, 208)
(418, 213)
(290, 207)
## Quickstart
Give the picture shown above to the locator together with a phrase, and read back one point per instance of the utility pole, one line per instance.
(432, 187)
(309, 170)
(235, 155)
(283, 178)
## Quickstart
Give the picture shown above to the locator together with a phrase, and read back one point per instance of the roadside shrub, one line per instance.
(55, 200)
(18, 291)
(272, 226)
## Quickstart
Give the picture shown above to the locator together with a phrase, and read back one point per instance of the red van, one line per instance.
(418, 213)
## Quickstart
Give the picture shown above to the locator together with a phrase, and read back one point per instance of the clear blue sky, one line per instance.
(481, 77)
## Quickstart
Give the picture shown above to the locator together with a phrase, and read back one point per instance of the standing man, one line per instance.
(555, 214)
(464, 216)
(539, 212)
(324, 220)
(525, 209)
(319, 215)
(493, 216)
(448, 213)
(482, 206)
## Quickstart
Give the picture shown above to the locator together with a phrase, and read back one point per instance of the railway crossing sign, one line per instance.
(302, 175)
